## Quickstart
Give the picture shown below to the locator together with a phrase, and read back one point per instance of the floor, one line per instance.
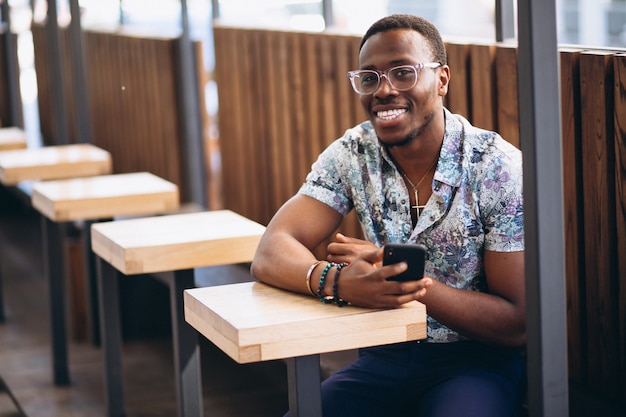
(229, 389)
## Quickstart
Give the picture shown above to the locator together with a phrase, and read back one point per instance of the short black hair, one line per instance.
(411, 22)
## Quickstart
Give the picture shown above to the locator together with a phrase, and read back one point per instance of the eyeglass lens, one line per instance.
(400, 78)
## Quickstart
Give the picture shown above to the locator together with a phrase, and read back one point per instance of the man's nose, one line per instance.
(384, 87)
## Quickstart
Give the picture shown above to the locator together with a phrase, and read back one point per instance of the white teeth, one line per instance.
(390, 114)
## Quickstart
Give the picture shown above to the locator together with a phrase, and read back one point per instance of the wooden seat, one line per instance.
(173, 247)
(89, 199)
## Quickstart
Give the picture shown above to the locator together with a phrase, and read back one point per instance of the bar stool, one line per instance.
(174, 244)
(89, 199)
(20, 166)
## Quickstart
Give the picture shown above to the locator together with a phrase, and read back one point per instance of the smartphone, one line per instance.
(413, 254)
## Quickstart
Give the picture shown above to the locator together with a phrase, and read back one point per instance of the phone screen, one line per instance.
(413, 254)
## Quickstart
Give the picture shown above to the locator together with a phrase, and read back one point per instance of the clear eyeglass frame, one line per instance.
(391, 75)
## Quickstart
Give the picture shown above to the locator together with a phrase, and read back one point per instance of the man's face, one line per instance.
(401, 116)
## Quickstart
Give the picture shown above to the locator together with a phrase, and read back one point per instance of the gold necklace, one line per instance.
(416, 188)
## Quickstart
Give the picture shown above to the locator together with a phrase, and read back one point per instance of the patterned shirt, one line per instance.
(476, 204)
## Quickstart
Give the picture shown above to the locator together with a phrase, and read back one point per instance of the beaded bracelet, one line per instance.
(336, 298)
(320, 288)
(308, 277)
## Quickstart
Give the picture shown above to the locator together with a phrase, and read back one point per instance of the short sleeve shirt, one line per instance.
(476, 204)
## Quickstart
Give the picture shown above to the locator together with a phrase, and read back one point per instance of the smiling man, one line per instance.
(414, 173)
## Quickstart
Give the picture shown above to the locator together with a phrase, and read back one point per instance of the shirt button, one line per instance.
(432, 218)
(403, 201)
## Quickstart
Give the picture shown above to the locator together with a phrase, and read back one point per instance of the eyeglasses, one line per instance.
(400, 78)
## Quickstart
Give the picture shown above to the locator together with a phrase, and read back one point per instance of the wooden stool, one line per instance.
(89, 199)
(52, 162)
(175, 243)
(12, 138)
(254, 322)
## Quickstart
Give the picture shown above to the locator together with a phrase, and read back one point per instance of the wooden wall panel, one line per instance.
(301, 101)
(507, 107)
(134, 100)
(573, 215)
(483, 86)
(620, 203)
(596, 78)
(458, 98)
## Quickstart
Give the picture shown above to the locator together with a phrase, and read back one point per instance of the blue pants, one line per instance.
(428, 380)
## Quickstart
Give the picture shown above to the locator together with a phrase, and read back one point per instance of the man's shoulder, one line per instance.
(478, 139)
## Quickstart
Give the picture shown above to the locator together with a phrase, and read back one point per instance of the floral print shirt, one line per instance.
(476, 204)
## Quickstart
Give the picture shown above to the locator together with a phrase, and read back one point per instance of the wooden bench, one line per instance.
(90, 199)
(254, 322)
(174, 244)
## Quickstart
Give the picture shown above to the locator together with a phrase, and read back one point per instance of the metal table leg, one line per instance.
(92, 282)
(186, 349)
(305, 398)
(111, 337)
(54, 261)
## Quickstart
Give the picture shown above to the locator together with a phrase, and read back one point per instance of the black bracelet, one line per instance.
(336, 298)
(320, 288)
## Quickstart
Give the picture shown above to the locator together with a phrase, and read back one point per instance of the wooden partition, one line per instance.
(284, 96)
(134, 99)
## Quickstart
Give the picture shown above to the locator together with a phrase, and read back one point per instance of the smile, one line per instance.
(390, 114)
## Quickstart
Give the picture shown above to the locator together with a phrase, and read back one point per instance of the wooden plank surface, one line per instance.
(175, 242)
(573, 213)
(458, 98)
(620, 203)
(12, 138)
(483, 86)
(53, 162)
(506, 93)
(254, 322)
(598, 173)
(104, 196)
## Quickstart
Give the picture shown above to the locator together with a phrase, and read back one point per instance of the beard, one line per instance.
(408, 139)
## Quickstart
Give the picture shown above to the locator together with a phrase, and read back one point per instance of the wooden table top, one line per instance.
(12, 138)
(254, 322)
(176, 242)
(53, 162)
(104, 196)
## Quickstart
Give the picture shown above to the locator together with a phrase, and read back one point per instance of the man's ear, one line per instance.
(444, 80)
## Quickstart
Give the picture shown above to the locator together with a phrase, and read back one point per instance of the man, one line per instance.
(414, 173)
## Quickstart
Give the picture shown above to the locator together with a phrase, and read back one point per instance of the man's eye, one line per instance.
(369, 79)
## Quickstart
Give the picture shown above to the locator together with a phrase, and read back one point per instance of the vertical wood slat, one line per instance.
(620, 204)
(596, 75)
(483, 86)
(507, 108)
(573, 214)
(226, 73)
(458, 98)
